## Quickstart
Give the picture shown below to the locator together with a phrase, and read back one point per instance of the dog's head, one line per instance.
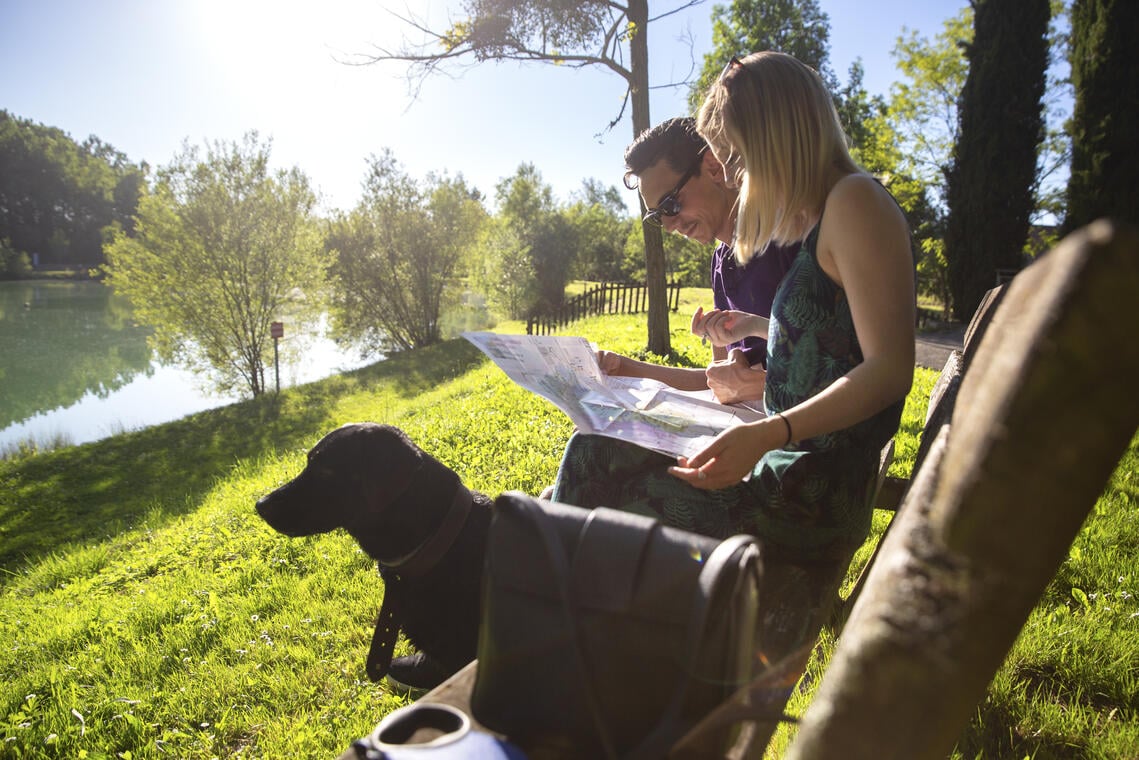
(351, 475)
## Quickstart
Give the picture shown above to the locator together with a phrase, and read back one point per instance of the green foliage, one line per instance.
(797, 27)
(497, 28)
(1104, 68)
(504, 273)
(862, 116)
(992, 177)
(686, 261)
(223, 248)
(573, 33)
(398, 254)
(13, 263)
(58, 197)
(537, 226)
(923, 104)
(601, 225)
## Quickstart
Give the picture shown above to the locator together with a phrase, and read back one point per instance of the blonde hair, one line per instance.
(771, 122)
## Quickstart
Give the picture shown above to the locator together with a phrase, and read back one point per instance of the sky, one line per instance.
(148, 76)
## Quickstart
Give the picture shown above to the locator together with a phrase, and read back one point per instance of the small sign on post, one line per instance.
(277, 331)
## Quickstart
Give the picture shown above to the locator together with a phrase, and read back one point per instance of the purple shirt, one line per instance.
(750, 288)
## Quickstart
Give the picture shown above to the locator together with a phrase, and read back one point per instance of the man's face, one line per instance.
(705, 202)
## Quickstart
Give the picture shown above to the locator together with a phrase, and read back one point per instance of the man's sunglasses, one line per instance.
(669, 205)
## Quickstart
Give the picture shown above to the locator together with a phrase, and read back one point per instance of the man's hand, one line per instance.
(733, 380)
(610, 362)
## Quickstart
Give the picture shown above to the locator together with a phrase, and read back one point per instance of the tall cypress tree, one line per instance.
(1105, 74)
(990, 179)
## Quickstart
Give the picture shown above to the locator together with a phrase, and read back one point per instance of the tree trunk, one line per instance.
(638, 13)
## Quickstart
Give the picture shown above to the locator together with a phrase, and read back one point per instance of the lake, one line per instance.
(75, 367)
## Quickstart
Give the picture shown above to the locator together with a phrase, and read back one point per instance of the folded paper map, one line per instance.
(649, 413)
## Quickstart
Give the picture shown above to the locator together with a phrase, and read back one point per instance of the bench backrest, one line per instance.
(1042, 414)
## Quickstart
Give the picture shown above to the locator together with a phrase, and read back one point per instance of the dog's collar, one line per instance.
(425, 556)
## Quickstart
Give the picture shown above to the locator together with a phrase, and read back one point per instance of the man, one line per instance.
(684, 188)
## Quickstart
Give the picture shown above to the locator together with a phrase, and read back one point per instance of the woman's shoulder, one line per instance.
(857, 186)
(859, 196)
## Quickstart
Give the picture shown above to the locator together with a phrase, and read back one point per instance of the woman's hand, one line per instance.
(731, 456)
(724, 326)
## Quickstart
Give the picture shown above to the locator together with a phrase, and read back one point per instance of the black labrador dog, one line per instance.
(410, 513)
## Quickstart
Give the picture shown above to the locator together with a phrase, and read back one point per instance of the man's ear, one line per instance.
(712, 167)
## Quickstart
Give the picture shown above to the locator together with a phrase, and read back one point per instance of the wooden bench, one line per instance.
(769, 695)
(1044, 409)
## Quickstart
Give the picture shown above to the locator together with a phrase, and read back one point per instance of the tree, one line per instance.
(397, 253)
(992, 176)
(504, 271)
(923, 105)
(1105, 67)
(528, 208)
(601, 224)
(60, 199)
(863, 119)
(223, 247)
(13, 263)
(572, 33)
(796, 27)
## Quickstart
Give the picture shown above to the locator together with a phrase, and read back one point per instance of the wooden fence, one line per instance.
(606, 298)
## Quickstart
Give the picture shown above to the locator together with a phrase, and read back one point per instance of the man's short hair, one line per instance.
(676, 141)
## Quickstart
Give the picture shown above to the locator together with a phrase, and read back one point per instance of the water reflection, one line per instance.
(75, 367)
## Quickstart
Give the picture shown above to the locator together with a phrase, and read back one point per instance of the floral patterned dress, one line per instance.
(809, 501)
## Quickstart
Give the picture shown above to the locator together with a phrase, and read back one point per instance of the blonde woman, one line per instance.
(840, 354)
(840, 350)
(841, 336)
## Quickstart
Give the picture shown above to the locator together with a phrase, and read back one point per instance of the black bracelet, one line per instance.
(788, 424)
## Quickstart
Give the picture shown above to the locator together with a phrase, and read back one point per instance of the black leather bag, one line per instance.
(607, 634)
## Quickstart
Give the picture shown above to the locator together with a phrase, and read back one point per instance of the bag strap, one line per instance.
(556, 553)
(741, 551)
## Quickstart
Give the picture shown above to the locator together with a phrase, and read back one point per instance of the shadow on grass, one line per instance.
(87, 493)
(996, 732)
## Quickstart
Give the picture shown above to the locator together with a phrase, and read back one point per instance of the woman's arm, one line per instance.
(864, 247)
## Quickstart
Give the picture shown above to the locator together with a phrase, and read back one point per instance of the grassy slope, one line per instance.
(146, 611)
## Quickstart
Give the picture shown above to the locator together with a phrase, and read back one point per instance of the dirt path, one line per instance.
(933, 348)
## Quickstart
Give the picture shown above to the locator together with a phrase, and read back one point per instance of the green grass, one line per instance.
(147, 612)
